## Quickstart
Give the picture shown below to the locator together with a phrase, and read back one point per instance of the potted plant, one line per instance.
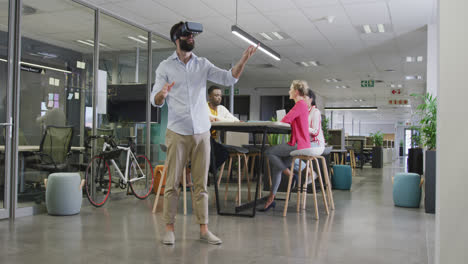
(428, 113)
(415, 153)
(402, 152)
(377, 150)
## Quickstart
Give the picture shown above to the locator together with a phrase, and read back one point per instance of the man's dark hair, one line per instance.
(212, 88)
(311, 95)
(174, 29)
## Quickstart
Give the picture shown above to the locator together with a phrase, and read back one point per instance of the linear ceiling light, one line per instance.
(253, 41)
(100, 44)
(40, 66)
(136, 39)
(145, 38)
(84, 42)
(362, 108)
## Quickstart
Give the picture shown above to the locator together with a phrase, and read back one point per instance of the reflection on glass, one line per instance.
(3, 90)
(122, 86)
(161, 49)
(56, 87)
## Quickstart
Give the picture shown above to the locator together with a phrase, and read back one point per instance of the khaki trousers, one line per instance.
(181, 149)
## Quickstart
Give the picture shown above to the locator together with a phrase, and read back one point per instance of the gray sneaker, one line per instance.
(210, 238)
(168, 238)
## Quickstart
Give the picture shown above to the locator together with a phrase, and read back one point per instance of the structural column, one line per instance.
(452, 128)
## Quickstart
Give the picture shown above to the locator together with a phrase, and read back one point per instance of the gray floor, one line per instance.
(364, 228)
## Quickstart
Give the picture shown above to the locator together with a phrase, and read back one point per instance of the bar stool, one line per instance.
(308, 156)
(254, 153)
(236, 152)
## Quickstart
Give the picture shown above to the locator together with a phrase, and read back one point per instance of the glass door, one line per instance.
(5, 115)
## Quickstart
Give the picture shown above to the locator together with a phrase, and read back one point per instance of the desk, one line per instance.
(259, 127)
(360, 145)
(22, 149)
(336, 152)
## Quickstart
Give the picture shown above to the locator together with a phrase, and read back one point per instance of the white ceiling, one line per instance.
(343, 51)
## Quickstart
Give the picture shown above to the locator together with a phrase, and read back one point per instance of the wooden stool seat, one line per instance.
(308, 159)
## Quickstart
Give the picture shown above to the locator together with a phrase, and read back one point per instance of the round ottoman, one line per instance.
(342, 177)
(64, 193)
(407, 190)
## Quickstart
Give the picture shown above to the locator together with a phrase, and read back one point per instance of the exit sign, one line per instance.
(367, 83)
(227, 91)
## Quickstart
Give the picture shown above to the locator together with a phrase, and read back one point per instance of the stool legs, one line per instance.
(289, 188)
(319, 173)
(327, 182)
(228, 176)
(314, 191)
(184, 186)
(299, 185)
(158, 193)
(246, 172)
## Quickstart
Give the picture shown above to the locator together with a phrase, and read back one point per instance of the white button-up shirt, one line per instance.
(186, 102)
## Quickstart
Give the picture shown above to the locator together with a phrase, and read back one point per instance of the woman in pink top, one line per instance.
(279, 155)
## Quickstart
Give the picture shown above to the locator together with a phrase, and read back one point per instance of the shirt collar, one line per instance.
(175, 57)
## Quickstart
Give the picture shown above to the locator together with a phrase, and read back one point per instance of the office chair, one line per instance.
(54, 149)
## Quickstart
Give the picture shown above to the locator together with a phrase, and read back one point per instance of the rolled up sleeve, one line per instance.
(160, 80)
(220, 76)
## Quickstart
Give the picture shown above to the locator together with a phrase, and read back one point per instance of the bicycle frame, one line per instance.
(130, 156)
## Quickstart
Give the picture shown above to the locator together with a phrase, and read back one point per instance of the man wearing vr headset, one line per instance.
(181, 83)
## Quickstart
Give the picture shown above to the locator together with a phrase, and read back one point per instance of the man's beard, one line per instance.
(215, 102)
(185, 46)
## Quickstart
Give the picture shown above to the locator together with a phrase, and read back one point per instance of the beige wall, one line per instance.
(452, 176)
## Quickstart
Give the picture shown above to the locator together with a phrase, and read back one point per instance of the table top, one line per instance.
(24, 148)
(253, 127)
(338, 151)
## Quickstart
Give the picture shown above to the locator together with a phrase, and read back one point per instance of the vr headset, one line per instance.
(187, 29)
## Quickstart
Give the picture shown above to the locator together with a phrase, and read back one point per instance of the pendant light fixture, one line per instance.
(236, 30)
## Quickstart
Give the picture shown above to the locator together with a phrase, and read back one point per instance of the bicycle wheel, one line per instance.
(98, 181)
(141, 177)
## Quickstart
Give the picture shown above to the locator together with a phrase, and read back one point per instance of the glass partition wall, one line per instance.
(4, 41)
(55, 82)
(62, 94)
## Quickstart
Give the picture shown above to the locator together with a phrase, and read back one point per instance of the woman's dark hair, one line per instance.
(174, 30)
(212, 88)
(312, 96)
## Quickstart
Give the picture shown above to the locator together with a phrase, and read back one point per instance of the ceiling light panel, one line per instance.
(367, 29)
(265, 36)
(381, 28)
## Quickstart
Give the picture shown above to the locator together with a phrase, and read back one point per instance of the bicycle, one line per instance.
(98, 177)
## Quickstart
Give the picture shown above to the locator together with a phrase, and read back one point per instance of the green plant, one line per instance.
(377, 138)
(276, 139)
(325, 122)
(401, 143)
(428, 113)
(416, 140)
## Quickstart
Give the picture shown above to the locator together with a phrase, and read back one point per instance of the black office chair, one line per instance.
(54, 150)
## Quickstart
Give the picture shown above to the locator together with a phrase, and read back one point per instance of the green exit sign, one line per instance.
(227, 91)
(367, 83)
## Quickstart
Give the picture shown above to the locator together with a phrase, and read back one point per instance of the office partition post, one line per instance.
(148, 95)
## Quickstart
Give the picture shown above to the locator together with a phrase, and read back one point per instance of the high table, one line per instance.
(258, 127)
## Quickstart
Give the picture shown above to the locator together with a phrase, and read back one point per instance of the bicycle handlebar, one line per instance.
(107, 139)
